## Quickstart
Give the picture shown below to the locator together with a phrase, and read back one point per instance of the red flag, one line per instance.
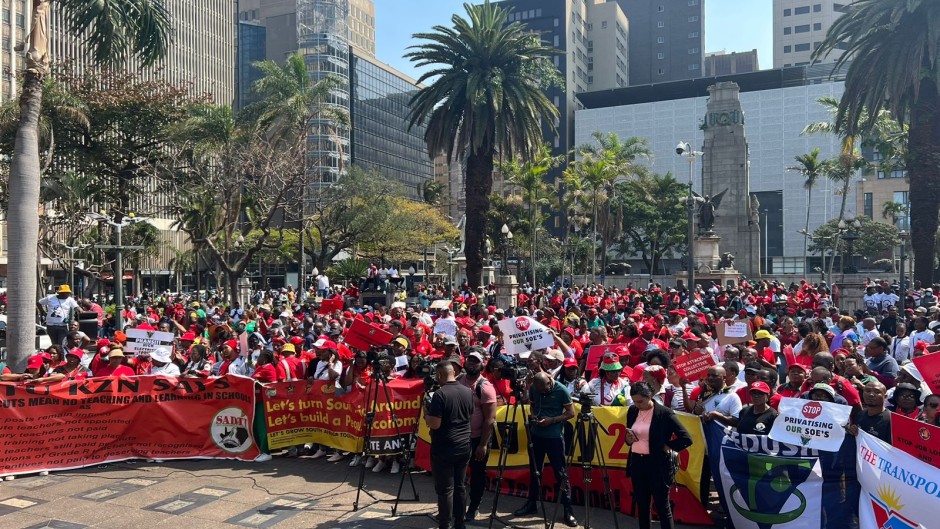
(919, 439)
(362, 335)
(327, 306)
(789, 356)
(929, 367)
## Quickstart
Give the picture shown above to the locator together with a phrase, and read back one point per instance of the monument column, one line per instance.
(725, 169)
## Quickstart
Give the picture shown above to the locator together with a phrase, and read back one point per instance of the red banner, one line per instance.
(100, 420)
(298, 413)
(929, 367)
(362, 335)
(327, 306)
(919, 439)
(693, 366)
(595, 354)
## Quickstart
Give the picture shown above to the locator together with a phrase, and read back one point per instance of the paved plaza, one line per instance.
(212, 494)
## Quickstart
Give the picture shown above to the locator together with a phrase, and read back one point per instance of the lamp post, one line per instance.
(684, 149)
(849, 235)
(504, 269)
(118, 248)
(903, 235)
(766, 270)
(71, 251)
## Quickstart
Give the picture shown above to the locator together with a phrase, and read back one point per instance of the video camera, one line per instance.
(586, 400)
(427, 370)
(516, 373)
(376, 355)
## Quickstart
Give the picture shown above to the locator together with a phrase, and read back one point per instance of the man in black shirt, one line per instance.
(448, 418)
(874, 419)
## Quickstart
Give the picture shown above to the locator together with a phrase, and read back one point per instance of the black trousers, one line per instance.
(477, 475)
(554, 448)
(649, 481)
(449, 471)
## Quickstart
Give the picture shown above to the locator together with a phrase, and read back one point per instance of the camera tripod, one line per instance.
(380, 380)
(507, 431)
(586, 437)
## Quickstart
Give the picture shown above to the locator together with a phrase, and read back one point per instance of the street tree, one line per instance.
(875, 239)
(810, 167)
(654, 224)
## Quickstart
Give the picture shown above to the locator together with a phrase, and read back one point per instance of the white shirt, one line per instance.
(901, 349)
(323, 282)
(169, 370)
(727, 403)
(868, 336)
(610, 391)
(923, 336)
(60, 310)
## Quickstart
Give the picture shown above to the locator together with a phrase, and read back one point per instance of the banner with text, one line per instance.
(75, 424)
(810, 423)
(523, 335)
(296, 413)
(688, 507)
(142, 342)
(898, 490)
(917, 438)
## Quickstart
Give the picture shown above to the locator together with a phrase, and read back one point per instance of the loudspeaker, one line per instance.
(88, 324)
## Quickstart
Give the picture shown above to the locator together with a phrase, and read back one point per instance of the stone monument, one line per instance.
(728, 236)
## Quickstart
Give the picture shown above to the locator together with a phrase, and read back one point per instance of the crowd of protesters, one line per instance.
(861, 359)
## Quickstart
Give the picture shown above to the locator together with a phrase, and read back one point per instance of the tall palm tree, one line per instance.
(486, 98)
(893, 48)
(810, 166)
(113, 31)
(592, 173)
(529, 176)
(623, 156)
(840, 170)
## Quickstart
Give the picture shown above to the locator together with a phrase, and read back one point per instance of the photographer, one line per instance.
(551, 406)
(481, 425)
(448, 417)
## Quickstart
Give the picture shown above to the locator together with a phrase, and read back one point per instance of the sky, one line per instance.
(732, 25)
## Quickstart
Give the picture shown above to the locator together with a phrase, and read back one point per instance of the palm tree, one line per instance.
(810, 166)
(893, 50)
(894, 211)
(113, 31)
(841, 170)
(486, 98)
(593, 173)
(431, 192)
(530, 177)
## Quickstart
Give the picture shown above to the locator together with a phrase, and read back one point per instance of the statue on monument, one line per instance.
(754, 213)
(706, 212)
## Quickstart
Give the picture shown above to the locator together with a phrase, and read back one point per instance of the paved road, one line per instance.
(281, 494)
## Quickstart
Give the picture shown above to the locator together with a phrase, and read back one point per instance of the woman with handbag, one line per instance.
(655, 436)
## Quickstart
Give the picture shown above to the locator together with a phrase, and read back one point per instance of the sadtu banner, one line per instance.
(898, 491)
(75, 424)
(687, 508)
(297, 412)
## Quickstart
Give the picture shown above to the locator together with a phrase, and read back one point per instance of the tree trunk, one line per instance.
(924, 172)
(809, 205)
(23, 228)
(232, 279)
(479, 186)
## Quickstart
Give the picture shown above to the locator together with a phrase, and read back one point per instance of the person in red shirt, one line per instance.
(796, 375)
(115, 366)
(264, 369)
(70, 370)
(288, 365)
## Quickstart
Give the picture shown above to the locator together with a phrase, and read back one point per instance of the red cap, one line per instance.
(486, 329)
(34, 362)
(76, 351)
(188, 337)
(296, 340)
(233, 344)
(104, 342)
(323, 343)
(656, 372)
(278, 341)
(491, 309)
(647, 327)
(570, 362)
(760, 386)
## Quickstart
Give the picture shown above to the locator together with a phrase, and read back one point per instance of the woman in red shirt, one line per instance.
(264, 374)
(114, 367)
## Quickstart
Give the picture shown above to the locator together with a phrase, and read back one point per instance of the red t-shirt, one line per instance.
(265, 373)
(119, 371)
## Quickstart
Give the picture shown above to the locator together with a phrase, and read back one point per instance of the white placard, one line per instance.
(810, 423)
(523, 334)
(143, 342)
(737, 329)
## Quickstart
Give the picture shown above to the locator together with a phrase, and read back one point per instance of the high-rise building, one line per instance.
(800, 27)
(724, 63)
(666, 39)
(251, 49)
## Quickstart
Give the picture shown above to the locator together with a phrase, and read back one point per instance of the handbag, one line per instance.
(672, 465)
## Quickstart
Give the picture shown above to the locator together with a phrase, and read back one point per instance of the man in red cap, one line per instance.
(644, 342)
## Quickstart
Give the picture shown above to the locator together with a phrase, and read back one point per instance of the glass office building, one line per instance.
(381, 141)
(251, 49)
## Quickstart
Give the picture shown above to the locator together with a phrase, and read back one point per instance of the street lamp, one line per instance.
(904, 236)
(766, 244)
(118, 248)
(71, 251)
(684, 149)
(849, 235)
(507, 238)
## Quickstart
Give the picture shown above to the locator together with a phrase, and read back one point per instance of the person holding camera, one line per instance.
(654, 435)
(448, 418)
(481, 425)
(550, 406)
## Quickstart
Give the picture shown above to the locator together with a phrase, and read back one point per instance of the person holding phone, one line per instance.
(653, 433)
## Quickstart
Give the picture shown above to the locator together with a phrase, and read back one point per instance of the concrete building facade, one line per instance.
(799, 27)
(777, 105)
(724, 63)
(666, 39)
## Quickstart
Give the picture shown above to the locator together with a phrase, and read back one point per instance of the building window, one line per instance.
(817, 8)
(660, 40)
(556, 22)
(590, 27)
(660, 55)
(660, 24)
(801, 47)
(801, 10)
(556, 41)
(693, 67)
(787, 12)
(20, 20)
(787, 49)
(538, 12)
(603, 24)
(693, 35)
(787, 30)
(6, 16)
(590, 46)
(590, 79)
(817, 26)
(661, 9)
(693, 2)
(693, 18)
(661, 72)
(693, 51)
(868, 206)
(803, 28)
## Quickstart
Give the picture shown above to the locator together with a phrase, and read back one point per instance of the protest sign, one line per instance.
(399, 305)
(296, 413)
(917, 438)
(810, 423)
(929, 367)
(693, 366)
(684, 495)
(142, 342)
(523, 334)
(732, 332)
(102, 420)
(898, 490)
(362, 336)
(439, 304)
(328, 306)
(596, 353)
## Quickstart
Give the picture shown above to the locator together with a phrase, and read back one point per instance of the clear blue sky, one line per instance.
(733, 25)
